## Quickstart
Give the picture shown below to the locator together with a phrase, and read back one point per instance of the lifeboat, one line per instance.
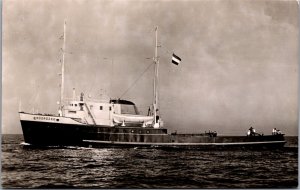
(129, 118)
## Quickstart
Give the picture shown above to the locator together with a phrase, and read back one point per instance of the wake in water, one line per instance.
(25, 144)
(28, 145)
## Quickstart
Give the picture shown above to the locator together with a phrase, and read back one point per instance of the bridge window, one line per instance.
(101, 107)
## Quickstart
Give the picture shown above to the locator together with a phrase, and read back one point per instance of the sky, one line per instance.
(239, 59)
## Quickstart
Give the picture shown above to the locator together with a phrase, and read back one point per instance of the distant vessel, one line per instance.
(117, 123)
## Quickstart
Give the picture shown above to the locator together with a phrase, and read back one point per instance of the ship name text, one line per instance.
(45, 118)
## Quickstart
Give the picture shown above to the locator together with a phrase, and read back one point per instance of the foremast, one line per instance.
(155, 84)
(62, 85)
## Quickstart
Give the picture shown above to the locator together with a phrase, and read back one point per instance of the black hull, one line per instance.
(57, 134)
(51, 134)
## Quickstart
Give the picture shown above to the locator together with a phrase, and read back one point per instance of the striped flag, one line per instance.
(175, 59)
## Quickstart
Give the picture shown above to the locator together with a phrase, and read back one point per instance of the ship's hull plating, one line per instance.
(57, 133)
(267, 145)
(51, 134)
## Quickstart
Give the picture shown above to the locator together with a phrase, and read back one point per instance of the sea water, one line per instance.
(77, 167)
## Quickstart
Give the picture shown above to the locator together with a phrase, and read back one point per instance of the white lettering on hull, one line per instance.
(49, 119)
(45, 118)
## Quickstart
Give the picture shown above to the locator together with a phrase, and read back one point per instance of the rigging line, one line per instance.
(137, 80)
(95, 77)
(33, 98)
(167, 50)
(89, 92)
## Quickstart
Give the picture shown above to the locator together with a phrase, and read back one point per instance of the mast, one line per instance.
(63, 72)
(155, 82)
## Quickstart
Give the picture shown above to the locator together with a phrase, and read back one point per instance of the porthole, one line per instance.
(147, 132)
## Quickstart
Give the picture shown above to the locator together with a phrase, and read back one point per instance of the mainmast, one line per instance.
(155, 83)
(62, 72)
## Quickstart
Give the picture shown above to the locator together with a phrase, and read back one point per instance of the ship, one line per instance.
(117, 122)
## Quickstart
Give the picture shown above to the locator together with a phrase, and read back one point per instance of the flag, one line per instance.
(175, 59)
